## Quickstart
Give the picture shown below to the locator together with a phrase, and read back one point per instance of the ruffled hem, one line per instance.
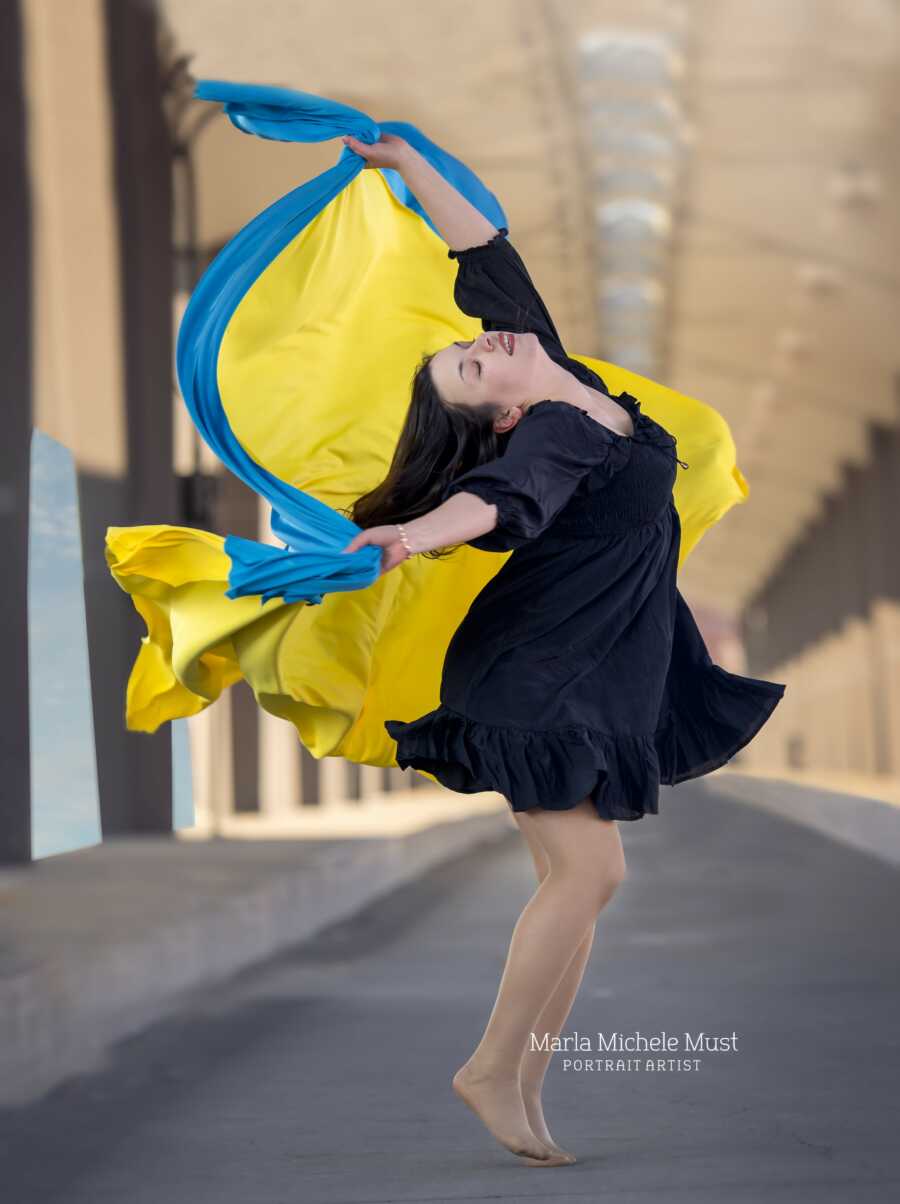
(557, 769)
(554, 770)
(723, 716)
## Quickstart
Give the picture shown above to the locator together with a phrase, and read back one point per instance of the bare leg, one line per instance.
(586, 866)
(536, 1062)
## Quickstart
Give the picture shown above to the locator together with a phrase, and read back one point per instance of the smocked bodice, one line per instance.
(611, 502)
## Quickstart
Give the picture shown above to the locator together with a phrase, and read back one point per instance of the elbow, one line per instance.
(476, 513)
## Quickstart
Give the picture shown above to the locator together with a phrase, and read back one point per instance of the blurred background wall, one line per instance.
(702, 191)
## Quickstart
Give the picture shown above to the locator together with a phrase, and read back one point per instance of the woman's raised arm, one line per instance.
(460, 224)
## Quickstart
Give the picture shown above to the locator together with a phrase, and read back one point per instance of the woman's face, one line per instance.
(498, 367)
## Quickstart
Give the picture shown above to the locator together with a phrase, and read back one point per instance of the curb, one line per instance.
(100, 943)
(867, 824)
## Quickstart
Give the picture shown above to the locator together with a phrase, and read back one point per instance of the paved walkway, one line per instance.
(324, 1075)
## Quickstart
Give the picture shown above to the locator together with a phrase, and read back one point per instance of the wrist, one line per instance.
(405, 539)
(406, 156)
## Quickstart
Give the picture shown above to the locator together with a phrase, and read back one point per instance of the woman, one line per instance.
(578, 679)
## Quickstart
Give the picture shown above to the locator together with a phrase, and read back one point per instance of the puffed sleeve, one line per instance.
(493, 284)
(551, 449)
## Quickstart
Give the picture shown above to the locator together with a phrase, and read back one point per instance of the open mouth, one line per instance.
(508, 342)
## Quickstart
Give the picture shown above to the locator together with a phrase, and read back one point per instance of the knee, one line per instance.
(594, 883)
(541, 868)
(619, 874)
(609, 881)
(618, 869)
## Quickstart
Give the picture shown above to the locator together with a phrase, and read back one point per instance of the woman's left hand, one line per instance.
(386, 537)
(389, 151)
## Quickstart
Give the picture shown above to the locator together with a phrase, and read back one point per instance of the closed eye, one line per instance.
(477, 362)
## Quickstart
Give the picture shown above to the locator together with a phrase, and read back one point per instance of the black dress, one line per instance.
(579, 669)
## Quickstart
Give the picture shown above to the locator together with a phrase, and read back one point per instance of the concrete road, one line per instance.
(324, 1075)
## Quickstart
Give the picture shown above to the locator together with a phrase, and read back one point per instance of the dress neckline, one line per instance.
(646, 429)
(631, 405)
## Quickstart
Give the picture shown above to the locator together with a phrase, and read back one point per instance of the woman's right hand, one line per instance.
(388, 151)
(386, 537)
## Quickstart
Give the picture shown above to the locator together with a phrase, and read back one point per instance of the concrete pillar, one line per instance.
(100, 173)
(211, 757)
(882, 501)
(15, 325)
(279, 766)
(371, 780)
(142, 182)
(332, 781)
(237, 510)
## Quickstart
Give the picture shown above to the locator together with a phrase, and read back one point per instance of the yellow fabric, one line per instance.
(315, 370)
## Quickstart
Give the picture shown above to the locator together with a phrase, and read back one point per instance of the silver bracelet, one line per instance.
(404, 539)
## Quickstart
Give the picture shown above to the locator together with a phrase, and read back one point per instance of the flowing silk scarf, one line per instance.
(295, 359)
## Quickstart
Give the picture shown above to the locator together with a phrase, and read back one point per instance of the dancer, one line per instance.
(578, 680)
(572, 676)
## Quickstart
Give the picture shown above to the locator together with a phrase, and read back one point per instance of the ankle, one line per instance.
(482, 1067)
(531, 1079)
(531, 1086)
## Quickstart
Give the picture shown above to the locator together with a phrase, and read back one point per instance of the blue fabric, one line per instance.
(311, 563)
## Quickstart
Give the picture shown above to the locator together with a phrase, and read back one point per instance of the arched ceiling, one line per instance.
(702, 191)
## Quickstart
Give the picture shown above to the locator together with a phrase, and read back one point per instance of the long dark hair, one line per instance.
(437, 443)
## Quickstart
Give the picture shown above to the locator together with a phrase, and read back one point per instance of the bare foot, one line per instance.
(497, 1102)
(531, 1097)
